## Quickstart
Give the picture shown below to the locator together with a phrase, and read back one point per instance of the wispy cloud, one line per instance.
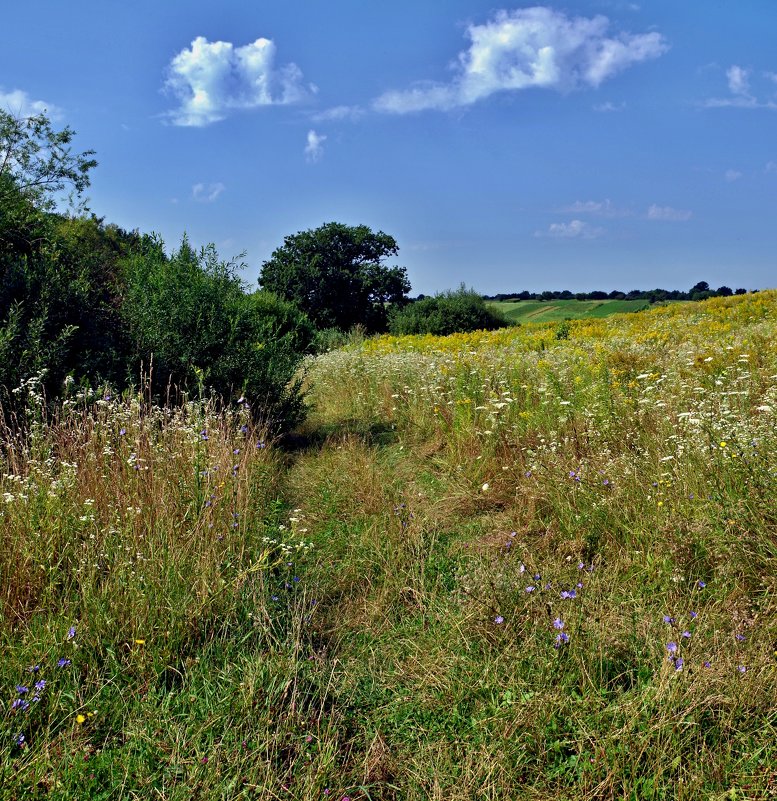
(732, 175)
(212, 79)
(207, 193)
(597, 208)
(529, 48)
(339, 113)
(575, 229)
(771, 167)
(20, 104)
(314, 148)
(741, 92)
(609, 107)
(668, 214)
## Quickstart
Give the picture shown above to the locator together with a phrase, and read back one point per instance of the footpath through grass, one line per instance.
(502, 565)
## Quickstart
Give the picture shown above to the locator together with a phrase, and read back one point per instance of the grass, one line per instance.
(538, 311)
(379, 614)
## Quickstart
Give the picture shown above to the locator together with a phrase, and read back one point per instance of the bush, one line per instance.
(446, 313)
(190, 313)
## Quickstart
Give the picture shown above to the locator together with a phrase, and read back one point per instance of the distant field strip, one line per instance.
(552, 311)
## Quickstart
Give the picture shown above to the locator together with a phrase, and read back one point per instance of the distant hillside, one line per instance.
(539, 311)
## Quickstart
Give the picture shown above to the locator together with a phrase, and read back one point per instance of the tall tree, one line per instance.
(336, 275)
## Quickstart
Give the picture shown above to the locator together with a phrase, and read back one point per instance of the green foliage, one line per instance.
(38, 161)
(447, 313)
(335, 274)
(190, 317)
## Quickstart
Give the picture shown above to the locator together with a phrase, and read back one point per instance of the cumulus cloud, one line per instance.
(668, 214)
(529, 48)
(20, 104)
(314, 148)
(211, 79)
(575, 229)
(207, 193)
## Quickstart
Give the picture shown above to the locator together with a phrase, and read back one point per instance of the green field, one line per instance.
(542, 311)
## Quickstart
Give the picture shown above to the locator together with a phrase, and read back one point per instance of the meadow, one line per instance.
(541, 311)
(494, 565)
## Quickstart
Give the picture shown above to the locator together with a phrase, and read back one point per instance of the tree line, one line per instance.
(699, 291)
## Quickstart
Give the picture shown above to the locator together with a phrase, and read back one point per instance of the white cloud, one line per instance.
(732, 175)
(575, 229)
(314, 148)
(771, 166)
(598, 208)
(609, 107)
(529, 48)
(21, 105)
(339, 113)
(741, 96)
(738, 80)
(211, 79)
(207, 193)
(668, 214)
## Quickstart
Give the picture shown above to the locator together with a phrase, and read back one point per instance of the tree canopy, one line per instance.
(335, 274)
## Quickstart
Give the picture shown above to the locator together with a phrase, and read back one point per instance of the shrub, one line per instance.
(446, 313)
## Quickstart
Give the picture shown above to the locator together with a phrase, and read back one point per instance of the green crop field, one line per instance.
(537, 311)
(497, 565)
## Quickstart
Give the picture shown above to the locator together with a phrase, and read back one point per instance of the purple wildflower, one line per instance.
(678, 663)
(63, 663)
(707, 663)
(668, 619)
(33, 668)
(499, 619)
(686, 634)
(19, 739)
(694, 615)
(561, 639)
(740, 637)
(558, 623)
(204, 435)
(39, 685)
(22, 690)
(742, 669)
(530, 589)
(702, 585)
(580, 565)
(671, 647)
(71, 632)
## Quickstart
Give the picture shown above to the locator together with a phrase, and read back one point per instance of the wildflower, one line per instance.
(671, 647)
(19, 739)
(204, 435)
(71, 632)
(702, 585)
(707, 663)
(33, 668)
(580, 565)
(80, 719)
(740, 637)
(678, 663)
(19, 703)
(579, 585)
(558, 623)
(63, 663)
(694, 615)
(530, 589)
(499, 619)
(485, 487)
(21, 690)
(140, 642)
(742, 669)
(40, 685)
(686, 634)
(122, 432)
(561, 639)
(260, 444)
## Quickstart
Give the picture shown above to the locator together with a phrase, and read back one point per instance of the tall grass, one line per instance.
(500, 565)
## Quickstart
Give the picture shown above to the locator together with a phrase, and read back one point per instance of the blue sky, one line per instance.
(593, 144)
